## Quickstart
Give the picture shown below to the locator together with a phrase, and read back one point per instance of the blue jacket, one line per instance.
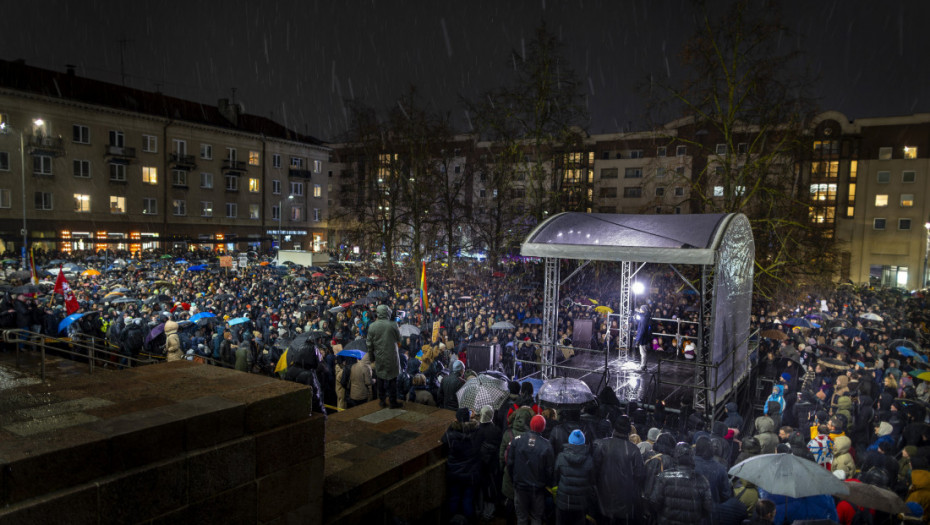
(787, 510)
(778, 398)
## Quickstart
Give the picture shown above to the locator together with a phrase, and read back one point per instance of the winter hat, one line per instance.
(538, 424)
(911, 450)
(576, 438)
(462, 415)
(622, 425)
(915, 508)
(486, 414)
(884, 428)
(653, 434)
(457, 367)
(785, 376)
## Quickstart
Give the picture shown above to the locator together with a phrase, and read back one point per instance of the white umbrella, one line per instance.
(408, 330)
(788, 475)
(502, 325)
(871, 317)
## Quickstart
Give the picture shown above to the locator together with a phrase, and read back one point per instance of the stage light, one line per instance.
(638, 287)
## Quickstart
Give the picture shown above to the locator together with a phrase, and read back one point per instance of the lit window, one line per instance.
(206, 208)
(317, 166)
(253, 211)
(878, 224)
(718, 191)
(910, 152)
(117, 204)
(317, 191)
(149, 175)
(881, 200)
(253, 186)
(884, 154)
(295, 213)
(81, 203)
(253, 158)
(907, 200)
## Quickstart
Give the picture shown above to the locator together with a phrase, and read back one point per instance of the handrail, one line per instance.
(93, 353)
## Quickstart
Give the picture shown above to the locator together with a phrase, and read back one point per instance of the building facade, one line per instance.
(87, 165)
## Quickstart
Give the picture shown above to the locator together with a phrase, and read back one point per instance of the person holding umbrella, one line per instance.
(383, 341)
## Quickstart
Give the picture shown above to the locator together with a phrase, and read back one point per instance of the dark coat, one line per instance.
(620, 473)
(574, 475)
(447, 389)
(383, 341)
(462, 464)
(682, 497)
(530, 461)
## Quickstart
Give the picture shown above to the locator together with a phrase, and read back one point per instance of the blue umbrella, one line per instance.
(66, 322)
(903, 350)
(238, 320)
(201, 315)
(197, 268)
(854, 332)
(180, 261)
(533, 320)
(798, 321)
(358, 354)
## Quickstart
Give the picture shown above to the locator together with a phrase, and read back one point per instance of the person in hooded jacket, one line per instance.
(778, 397)
(462, 466)
(722, 448)
(519, 423)
(920, 490)
(749, 447)
(450, 385)
(383, 342)
(530, 462)
(661, 459)
(861, 431)
(682, 496)
(172, 342)
(713, 472)
(765, 433)
(574, 476)
(842, 459)
(734, 419)
(620, 474)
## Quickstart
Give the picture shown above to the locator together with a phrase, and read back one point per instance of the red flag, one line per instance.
(62, 287)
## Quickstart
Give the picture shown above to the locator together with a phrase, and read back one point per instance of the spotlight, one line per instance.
(638, 287)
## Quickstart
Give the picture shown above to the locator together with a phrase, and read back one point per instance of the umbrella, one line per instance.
(316, 335)
(21, 274)
(26, 289)
(359, 344)
(202, 315)
(307, 308)
(377, 294)
(788, 475)
(904, 342)
(337, 309)
(408, 330)
(776, 335)
(854, 332)
(798, 321)
(923, 375)
(502, 325)
(906, 351)
(358, 354)
(314, 268)
(317, 275)
(66, 322)
(297, 343)
(872, 497)
(90, 273)
(482, 390)
(166, 256)
(366, 301)
(180, 261)
(197, 268)
(497, 274)
(123, 300)
(224, 297)
(238, 320)
(603, 309)
(871, 317)
(829, 362)
(532, 320)
(157, 331)
(563, 391)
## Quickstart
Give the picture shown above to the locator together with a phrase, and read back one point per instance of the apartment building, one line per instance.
(105, 166)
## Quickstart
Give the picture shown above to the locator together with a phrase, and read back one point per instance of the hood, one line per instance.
(521, 419)
(732, 408)
(575, 454)
(171, 327)
(865, 401)
(841, 445)
(383, 311)
(844, 403)
(719, 429)
(752, 446)
(842, 381)
(764, 424)
(665, 444)
(703, 448)
(920, 479)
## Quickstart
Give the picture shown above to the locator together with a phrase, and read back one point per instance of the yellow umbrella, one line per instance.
(604, 310)
(91, 272)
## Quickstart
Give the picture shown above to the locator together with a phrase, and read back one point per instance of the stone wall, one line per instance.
(170, 443)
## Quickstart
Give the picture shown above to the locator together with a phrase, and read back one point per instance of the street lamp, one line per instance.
(4, 128)
(280, 219)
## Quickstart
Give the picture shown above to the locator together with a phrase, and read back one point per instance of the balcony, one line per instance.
(237, 166)
(303, 174)
(182, 162)
(120, 152)
(41, 145)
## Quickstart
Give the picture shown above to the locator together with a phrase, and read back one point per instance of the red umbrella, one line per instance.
(497, 274)
(184, 306)
(317, 275)
(346, 305)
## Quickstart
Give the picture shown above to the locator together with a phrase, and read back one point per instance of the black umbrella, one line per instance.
(358, 344)
(21, 274)
(377, 294)
(316, 335)
(224, 297)
(26, 288)
(366, 301)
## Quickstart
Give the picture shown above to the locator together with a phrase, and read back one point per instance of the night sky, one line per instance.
(296, 61)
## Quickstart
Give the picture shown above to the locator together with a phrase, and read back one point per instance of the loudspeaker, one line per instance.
(483, 356)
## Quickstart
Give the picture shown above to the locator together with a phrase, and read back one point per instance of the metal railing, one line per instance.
(94, 349)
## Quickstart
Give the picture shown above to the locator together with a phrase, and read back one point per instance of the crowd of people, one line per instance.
(842, 374)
